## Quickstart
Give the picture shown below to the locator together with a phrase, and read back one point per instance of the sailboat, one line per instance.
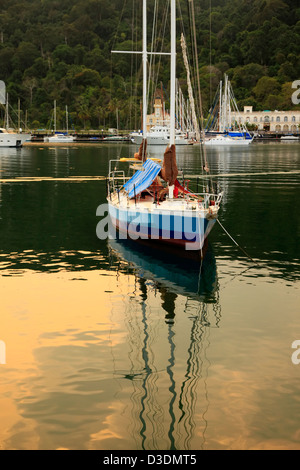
(160, 135)
(220, 117)
(60, 137)
(153, 205)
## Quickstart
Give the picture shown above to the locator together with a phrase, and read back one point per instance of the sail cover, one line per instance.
(142, 178)
(169, 170)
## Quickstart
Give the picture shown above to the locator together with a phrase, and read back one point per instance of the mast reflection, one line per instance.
(169, 364)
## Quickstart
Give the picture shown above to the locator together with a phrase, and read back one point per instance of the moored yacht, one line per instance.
(225, 139)
(10, 138)
(160, 135)
(60, 137)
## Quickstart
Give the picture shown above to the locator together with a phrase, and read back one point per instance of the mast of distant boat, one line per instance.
(54, 116)
(67, 119)
(7, 113)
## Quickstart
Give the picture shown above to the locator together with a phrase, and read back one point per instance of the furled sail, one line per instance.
(169, 171)
(2, 93)
(190, 91)
(142, 153)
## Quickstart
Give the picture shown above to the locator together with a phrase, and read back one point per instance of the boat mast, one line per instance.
(173, 72)
(54, 116)
(145, 59)
(221, 109)
(226, 104)
(145, 69)
(6, 113)
(19, 115)
(229, 106)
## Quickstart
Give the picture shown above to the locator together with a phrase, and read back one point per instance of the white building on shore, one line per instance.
(286, 122)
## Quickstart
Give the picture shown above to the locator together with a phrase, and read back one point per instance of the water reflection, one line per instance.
(186, 276)
(109, 349)
(168, 372)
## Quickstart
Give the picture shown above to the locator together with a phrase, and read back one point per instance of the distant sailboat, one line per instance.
(60, 137)
(219, 129)
(159, 135)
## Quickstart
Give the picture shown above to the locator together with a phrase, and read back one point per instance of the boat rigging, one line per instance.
(153, 204)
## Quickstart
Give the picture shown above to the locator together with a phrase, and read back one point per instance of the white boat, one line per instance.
(289, 137)
(224, 139)
(10, 138)
(220, 120)
(152, 205)
(116, 138)
(60, 137)
(159, 135)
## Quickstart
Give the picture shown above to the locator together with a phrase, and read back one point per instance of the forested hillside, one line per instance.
(61, 50)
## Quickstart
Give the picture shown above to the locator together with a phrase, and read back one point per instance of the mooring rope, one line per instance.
(236, 243)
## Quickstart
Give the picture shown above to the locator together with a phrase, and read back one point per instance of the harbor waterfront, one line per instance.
(111, 345)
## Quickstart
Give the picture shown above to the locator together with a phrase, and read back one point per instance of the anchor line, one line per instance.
(236, 243)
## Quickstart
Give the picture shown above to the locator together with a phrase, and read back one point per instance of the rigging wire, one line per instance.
(197, 78)
(131, 66)
(154, 68)
(151, 77)
(136, 70)
(210, 55)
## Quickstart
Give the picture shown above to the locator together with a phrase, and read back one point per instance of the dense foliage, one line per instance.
(61, 50)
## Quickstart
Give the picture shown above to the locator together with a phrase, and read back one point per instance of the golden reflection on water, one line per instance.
(121, 360)
(92, 361)
(44, 319)
(133, 356)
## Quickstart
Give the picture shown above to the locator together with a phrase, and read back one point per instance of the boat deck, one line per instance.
(180, 205)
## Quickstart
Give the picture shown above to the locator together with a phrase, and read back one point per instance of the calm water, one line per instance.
(109, 346)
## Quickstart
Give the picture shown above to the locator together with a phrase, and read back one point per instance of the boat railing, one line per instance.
(208, 199)
(213, 198)
(116, 178)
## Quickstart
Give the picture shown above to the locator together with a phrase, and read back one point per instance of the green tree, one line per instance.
(51, 49)
(266, 86)
(24, 55)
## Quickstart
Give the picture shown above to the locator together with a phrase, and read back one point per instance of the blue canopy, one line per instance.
(142, 178)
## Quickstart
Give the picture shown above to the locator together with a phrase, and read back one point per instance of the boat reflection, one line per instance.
(169, 352)
(189, 276)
